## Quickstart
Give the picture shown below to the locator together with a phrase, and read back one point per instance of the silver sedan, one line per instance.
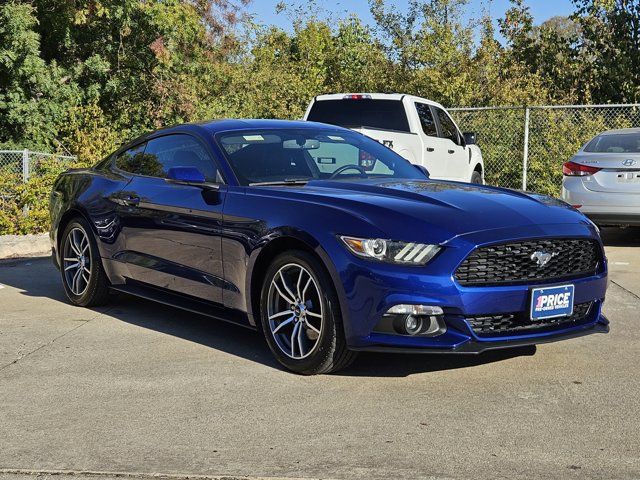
(602, 180)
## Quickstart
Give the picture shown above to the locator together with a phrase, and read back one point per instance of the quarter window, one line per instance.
(426, 120)
(447, 126)
(132, 159)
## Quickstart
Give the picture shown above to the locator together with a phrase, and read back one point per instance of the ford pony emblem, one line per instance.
(542, 258)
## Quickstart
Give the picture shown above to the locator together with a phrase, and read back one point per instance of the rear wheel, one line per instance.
(83, 277)
(300, 316)
(476, 177)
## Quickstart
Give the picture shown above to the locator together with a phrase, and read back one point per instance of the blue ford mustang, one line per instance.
(326, 241)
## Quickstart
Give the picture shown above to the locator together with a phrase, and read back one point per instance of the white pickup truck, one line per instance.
(418, 129)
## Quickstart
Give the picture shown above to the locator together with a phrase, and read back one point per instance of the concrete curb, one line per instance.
(17, 246)
(85, 474)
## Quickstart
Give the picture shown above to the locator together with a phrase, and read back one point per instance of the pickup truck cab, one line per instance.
(418, 129)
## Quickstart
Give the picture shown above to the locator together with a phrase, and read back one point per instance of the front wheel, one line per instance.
(300, 316)
(476, 177)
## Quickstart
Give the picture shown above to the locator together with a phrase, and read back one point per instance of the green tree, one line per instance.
(432, 48)
(145, 64)
(34, 94)
(610, 48)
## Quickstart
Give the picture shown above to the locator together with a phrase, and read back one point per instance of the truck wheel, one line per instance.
(476, 177)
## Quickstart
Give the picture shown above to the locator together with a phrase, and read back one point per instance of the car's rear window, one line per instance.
(381, 114)
(615, 143)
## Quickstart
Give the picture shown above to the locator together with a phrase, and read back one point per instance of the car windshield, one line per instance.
(616, 143)
(280, 156)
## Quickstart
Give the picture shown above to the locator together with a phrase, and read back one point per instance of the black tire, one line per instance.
(329, 353)
(476, 177)
(96, 291)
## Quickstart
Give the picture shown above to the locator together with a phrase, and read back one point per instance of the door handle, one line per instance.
(430, 149)
(130, 200)
(451, 151)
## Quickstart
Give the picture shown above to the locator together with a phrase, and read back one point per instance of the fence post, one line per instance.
(25, 165)
(525, 152)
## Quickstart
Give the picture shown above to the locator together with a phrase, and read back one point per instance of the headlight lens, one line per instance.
(391, 251)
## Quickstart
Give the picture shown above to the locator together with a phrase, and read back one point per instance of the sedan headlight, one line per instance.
(391, 251)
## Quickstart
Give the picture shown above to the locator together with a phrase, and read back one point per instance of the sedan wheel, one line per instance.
(300, 316)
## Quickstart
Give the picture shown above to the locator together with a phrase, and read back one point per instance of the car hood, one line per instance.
(439, 210)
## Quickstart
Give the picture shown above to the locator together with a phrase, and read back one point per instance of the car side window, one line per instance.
(447, 126)
(130, 160)
(426, 120)
(178, 150)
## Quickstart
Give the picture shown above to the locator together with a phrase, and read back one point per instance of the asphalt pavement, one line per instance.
(136, 389)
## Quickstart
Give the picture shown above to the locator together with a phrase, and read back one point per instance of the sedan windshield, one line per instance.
(616, 143)
(282, 156)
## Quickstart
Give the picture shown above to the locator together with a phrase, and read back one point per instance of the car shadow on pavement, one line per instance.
(39, 278)
(371, 364)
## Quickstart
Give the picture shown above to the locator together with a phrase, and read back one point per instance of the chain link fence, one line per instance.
(525, 147)
(25, 183)
(23, 164)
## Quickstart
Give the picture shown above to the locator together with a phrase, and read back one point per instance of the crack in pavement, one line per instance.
(139, 475)
(51, 342)
(628, 291)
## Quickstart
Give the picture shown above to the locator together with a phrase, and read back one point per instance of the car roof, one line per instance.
(215, 126)
(620, 130)
(378, 96)
(225, 125)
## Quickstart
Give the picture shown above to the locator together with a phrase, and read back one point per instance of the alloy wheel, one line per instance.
(77, 261)
(294, 311)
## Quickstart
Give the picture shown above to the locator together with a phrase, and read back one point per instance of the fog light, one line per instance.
(413, 320)
(413, 325)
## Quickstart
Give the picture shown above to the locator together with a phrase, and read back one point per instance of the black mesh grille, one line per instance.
(513, 262)
(518, 323)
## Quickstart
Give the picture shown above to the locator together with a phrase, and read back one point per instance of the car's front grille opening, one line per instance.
(520, 323)
(539, 260)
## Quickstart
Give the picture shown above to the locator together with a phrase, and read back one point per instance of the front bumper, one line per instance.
(473, 346)
(370, 289)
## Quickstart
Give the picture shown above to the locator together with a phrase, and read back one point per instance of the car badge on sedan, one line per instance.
(629, 162)
(542, 258)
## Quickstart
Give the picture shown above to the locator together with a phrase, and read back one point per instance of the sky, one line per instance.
(264, 10)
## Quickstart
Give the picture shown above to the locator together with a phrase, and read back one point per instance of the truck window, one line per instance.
(380, 114)
(426, 120)
(447, 127)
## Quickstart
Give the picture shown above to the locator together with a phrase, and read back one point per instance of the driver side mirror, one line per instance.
(423, 169)
(469, 138)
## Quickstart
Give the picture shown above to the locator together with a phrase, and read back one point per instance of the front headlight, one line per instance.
(391, 251)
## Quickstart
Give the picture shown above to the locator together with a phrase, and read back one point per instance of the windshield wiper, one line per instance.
(286, 181)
